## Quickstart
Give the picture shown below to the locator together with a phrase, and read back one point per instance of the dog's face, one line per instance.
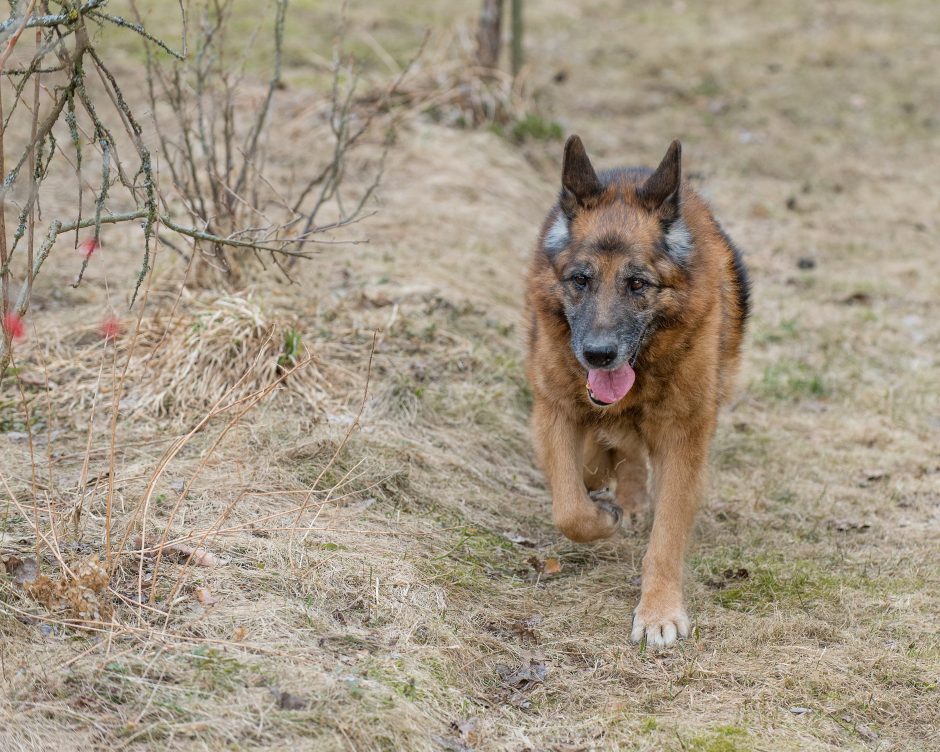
(620, 249)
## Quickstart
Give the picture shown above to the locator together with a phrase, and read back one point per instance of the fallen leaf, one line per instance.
(449, 744)
(861, 729)
(469, 729)
(548, 567)
(519, 540)
(183, 554)
(727, 576)
(23, 571)
(526, 629)
(288, 700)
(82, 593)
(205, 597)
(844, 526)
(198, 556)
(524, 675)
(519, 700)
(856, 298)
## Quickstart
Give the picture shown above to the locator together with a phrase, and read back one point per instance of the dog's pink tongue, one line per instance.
(611, 386)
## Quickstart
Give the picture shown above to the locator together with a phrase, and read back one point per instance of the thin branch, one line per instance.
(60, 19)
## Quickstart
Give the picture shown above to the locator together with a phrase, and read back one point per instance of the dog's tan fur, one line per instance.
(666, 421)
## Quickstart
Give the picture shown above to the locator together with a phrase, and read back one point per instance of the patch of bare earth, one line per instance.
(382, 573)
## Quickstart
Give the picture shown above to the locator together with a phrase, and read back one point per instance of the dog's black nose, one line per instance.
(600, 354)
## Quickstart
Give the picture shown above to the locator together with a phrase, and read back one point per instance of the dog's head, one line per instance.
(620, 249)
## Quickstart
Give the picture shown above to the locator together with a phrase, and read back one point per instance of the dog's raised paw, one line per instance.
(659, 630)
(605, 500)
(602, 495)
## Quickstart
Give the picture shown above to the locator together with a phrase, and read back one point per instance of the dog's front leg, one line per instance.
(559, 442)
(678, 458)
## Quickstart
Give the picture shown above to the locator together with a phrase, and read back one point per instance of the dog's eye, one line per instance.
(636, 284)
(580, 280)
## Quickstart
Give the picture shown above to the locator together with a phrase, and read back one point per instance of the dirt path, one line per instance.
(434, 606)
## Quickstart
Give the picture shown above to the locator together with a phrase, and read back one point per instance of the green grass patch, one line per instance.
(792, 381)
(533, 127)
(758, 584)
(785, 331)
(217, 672)
(719, 739)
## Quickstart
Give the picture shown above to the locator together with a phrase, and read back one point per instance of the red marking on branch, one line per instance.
(14, 326)
(88, 247)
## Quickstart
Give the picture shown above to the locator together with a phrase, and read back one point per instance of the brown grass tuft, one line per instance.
(230, 347)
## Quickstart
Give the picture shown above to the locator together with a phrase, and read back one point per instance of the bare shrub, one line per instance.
(211, 125)
(68, 123)
(76, 138)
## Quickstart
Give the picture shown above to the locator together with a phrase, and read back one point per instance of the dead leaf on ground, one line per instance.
(857, 298)
(523, 629)
(449, 744)
(201, 557)
(519, 681)
(519, 540)
(873, 475)
(732, 574)
(204, 596)
(81, 595)
(23, 571)
(547, 567)
(180, 553)
(526, 629)
(845, 526)
(288, 700)
(861, 729)
(525, 675)
(469, 729)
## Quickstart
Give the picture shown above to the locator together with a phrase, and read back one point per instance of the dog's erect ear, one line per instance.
(578, 178)
(661, 190)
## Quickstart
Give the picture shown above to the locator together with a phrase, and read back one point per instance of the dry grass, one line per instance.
(378, 589)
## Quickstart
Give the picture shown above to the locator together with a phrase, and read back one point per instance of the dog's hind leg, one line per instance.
(630, 470)
(598, 464)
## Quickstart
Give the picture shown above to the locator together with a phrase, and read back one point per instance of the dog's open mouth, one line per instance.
(607, 387)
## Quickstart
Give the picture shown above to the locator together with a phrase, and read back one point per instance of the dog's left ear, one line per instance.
(660, 193)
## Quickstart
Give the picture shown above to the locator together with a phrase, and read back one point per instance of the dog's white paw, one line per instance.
(659, 629)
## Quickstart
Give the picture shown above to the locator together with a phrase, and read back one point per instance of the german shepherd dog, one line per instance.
(637, 302)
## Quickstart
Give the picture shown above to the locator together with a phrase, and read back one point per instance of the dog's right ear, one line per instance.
(580, 186)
